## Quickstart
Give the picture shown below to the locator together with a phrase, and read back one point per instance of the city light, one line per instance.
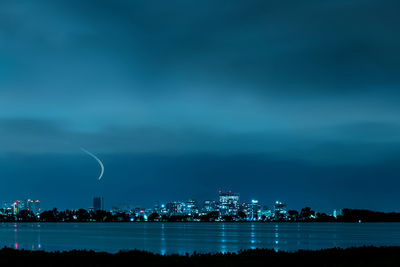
(226, 207)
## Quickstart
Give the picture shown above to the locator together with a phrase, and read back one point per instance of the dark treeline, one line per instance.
(363, 256)
(80, 215)
(354, 215)
(305, 215)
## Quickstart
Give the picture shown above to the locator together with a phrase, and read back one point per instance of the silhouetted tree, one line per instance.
(355, 215)
(82, 215)
(49, 215)
(152, 217)
(102, 216)
(139, 218)
(227, 218)
(306, 213)
(242, 215)
(26, 216)
(121, 217)
(178, 218)
(323, 217)
(211, 216)
(293, 214)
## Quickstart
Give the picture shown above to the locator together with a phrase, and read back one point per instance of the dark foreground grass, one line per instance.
(363, 256)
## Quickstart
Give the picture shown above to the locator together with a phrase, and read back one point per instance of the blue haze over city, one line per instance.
(292, 101)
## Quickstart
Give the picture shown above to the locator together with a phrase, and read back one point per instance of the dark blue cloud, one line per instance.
(71, 181)
(312, 84)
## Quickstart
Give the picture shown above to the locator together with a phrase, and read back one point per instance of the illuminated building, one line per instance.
(254, 212)
(265, 214)
(190, 208)
(245, 208)
(163, 210)
(209, 206)
(228, 203)
(28, 204)
(175, 208)
(8, 208)
(280, 210)
(19, 206)
(33, 205)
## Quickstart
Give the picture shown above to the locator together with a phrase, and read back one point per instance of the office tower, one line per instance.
(280, 210)
(255, 210)
(33, 206)
(228, 203)
(190, 207)
(98, 203)
(19, 206)
(175, 208)
(209, 206)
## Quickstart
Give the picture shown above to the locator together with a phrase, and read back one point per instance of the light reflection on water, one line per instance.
(18, 229)
(276, 243)
(167, 238)
(163, 246)
(252, 237)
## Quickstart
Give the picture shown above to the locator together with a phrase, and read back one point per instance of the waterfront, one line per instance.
(168, 238)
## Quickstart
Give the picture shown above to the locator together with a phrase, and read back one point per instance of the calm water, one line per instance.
(201, 237)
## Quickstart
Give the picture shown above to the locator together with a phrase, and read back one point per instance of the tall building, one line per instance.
(28, 204)
(175, 208)
(209, 206)
(190, 207)
(33, 205)
(19, 206)
(8, 208)
(280, 210)
(163, 210)
(255, 210)
(98, 203)
(228, 203)
(266, 213)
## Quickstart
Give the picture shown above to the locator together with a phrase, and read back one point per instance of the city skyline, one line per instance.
(273, 99)
(227, 207)
(227, 203)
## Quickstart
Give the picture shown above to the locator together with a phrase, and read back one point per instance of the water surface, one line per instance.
(201, 237)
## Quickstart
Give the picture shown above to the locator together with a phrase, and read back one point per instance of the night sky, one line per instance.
(277, 100)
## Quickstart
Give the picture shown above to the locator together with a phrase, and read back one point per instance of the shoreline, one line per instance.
(220, 222)
(354, 256)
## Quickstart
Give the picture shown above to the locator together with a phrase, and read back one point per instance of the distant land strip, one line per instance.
(82, 215)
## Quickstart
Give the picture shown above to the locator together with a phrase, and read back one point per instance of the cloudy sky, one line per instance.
(289, 100)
